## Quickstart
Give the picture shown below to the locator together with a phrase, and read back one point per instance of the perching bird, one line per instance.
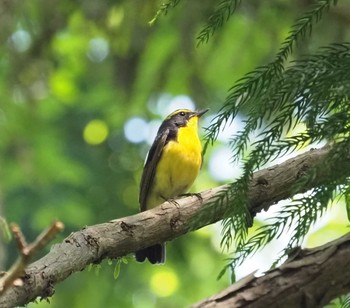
(171, 167)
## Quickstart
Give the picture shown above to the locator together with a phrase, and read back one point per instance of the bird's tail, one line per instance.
(155, 254)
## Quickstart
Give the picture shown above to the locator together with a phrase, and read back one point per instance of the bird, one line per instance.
(171, 166)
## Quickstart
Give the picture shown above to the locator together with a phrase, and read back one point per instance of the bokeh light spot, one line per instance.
(95, 132)
(98, 49)
(153, 128)
(228, 129)
(179, 102)
(63, 86)
(164, 283)
(20, 40)
(136, 130)
(220, 166)
(115, 17)
(165, 104)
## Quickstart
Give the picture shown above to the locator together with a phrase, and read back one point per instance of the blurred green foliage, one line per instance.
(72, 73)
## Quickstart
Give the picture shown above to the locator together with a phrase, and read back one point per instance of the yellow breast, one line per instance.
(178, 167)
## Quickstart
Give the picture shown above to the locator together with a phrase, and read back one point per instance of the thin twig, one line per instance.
(27, 252)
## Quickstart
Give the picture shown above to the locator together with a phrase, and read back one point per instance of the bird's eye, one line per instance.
(182, 114)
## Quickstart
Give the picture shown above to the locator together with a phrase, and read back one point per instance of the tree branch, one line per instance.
(168, 221)
(311, 279)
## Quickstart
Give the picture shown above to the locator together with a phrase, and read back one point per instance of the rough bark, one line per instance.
(311, 279)
(170, 220)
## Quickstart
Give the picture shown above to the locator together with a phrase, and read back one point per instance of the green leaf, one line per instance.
(347, 204)
(97, 269)
(5, 229)
(233, 275)
(222, 273)
(89, 267)
(345, 301)
(117, 269)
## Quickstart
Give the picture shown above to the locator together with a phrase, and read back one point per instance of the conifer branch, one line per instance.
(164, 8)
(221, 15)
(313, 91)
(253, 87)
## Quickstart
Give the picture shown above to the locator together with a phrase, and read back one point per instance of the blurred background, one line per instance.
(84, 86)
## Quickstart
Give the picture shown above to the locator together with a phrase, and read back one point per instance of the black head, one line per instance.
(181, 117)
(177, 119)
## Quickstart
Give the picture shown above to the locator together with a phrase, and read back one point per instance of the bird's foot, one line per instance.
(173, 201)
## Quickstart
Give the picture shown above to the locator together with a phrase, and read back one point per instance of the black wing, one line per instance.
(149, 169)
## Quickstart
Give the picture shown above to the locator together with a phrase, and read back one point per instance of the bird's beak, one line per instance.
(200, 113)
